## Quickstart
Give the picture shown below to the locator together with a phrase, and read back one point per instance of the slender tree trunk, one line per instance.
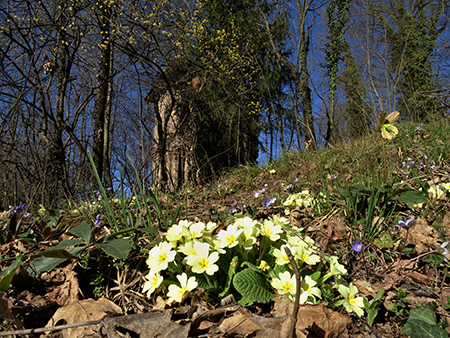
(101, 110)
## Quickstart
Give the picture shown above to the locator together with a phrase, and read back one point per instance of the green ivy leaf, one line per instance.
(384, 241)
(117, 248)
(433, 259)
(253, 286)
(83, 231)
(422, 324)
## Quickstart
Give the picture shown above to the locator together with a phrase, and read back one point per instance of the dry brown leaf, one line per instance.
(5, 307)
(148, 325)
(239, 325)
(422, 235)
(331, 322)
(65, 290)
(312, 321)
(82, 311)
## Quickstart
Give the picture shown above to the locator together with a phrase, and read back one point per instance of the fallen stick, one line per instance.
(50, 328)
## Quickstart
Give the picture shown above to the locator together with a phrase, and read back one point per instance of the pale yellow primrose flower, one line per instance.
(187, 248)
(160, 256)
(246, 223)
(308, 290)
(229, 238)
(336, 268)
(247, 240)
(350, 302)
(176, 293)
(306, 254)
(271, 230)
(203, 261)
(196, 230)
(281, 256)
(285, 284)
(216, 246)
(210, 226)
(152, 283)
(175, 234)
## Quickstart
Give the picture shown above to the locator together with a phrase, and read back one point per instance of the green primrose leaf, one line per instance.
(230, 275)
(253, 286)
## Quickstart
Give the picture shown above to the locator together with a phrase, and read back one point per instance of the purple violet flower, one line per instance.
(98, 220)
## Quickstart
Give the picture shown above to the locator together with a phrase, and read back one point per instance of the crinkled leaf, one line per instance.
(83, 231)
(253, 286)
(117, 248)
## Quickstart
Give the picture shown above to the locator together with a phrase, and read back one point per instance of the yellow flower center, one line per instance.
(305, 287)
(203, 263)
(162, 257)
(351, 300)
(287, 287)
(231, 239)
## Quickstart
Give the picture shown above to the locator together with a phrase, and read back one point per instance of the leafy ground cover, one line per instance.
(354, 238)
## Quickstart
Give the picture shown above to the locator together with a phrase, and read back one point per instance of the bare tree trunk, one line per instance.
(102, 106)
(300, 78)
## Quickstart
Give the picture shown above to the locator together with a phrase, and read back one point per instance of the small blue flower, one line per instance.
(269, 201)
(407, 224)
(432, 166)
(334, 176)
(418, 129)
(97, 192)
(288, 186)
(357, 246)
(259, 192)
(300, 165)
(233, 207)
(295, 179)
(367, 152)
(404, 164)
(445, 252)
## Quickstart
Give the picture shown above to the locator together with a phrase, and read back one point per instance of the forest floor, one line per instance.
(73, 266)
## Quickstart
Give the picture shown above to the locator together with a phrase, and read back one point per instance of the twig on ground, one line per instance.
(50, 328)
(297, 291)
